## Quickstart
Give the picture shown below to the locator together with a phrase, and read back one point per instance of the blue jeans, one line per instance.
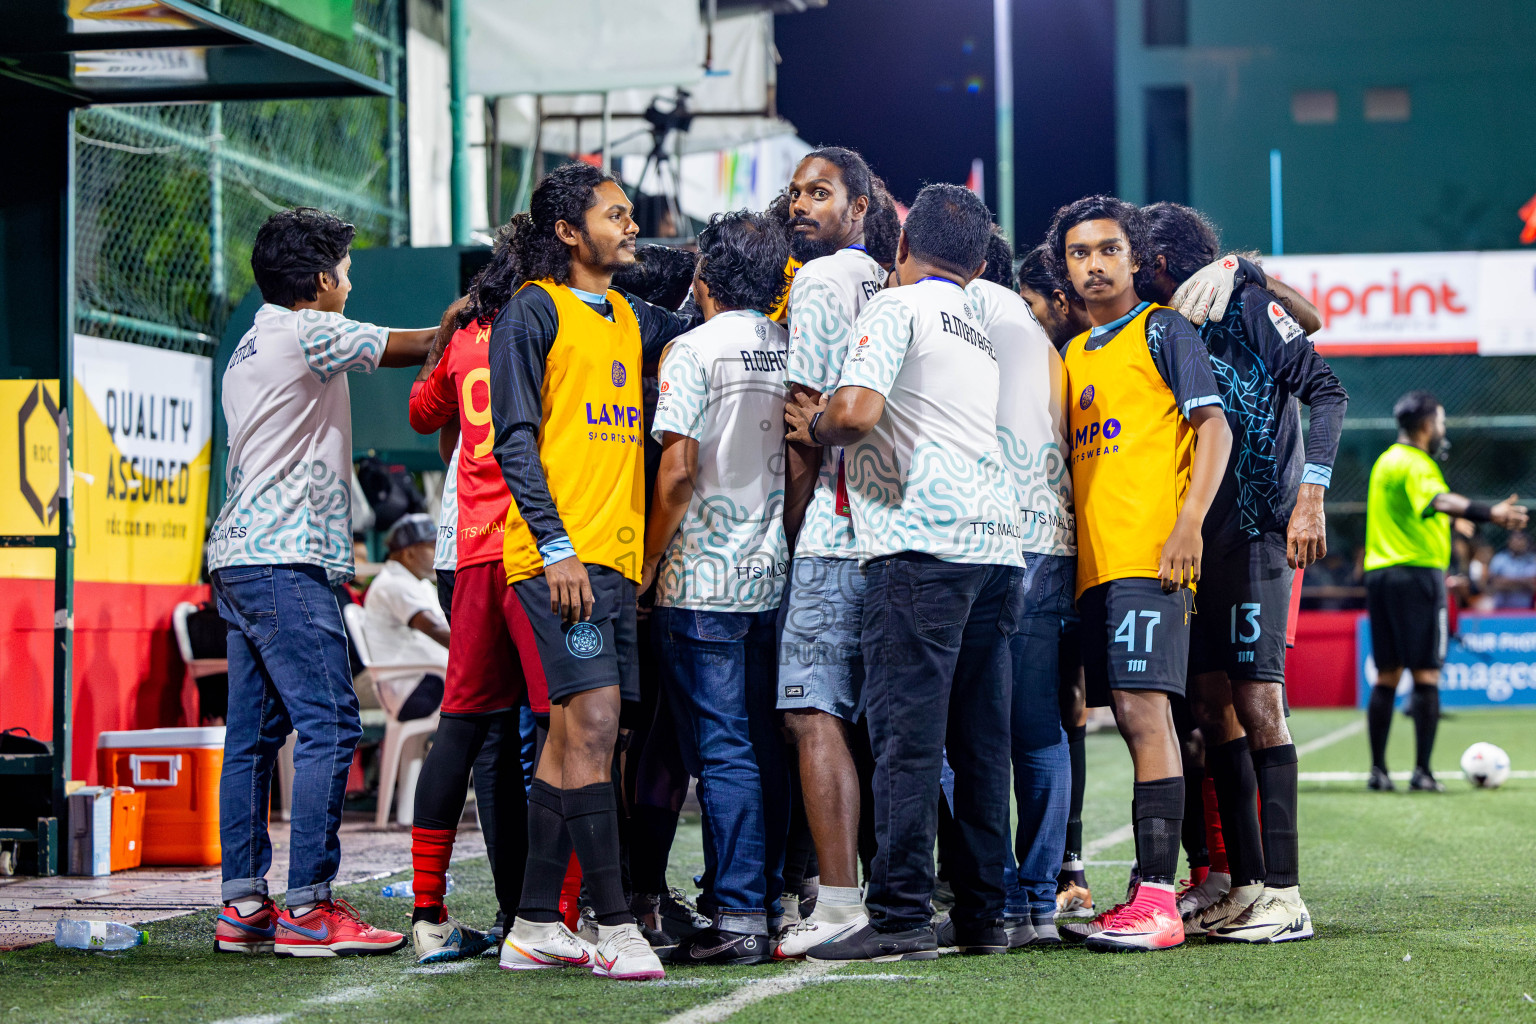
(288, 670)
(719, 672)
(1042, 775)
(936, 677)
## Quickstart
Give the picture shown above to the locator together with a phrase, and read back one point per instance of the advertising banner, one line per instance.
(29, 458)
(1433, 303)
(143, 442)
(1490, 662)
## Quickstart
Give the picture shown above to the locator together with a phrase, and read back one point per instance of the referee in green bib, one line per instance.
(1407, 549)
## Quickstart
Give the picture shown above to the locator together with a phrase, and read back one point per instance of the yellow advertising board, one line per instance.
(29, 458)
(142, 449)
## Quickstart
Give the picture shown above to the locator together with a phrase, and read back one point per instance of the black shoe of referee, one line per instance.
(1380, 780)
(879, 947)
(1424, 782)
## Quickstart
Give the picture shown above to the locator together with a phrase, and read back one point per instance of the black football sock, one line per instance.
(1159, 810)
(1237, 795)
(1276, 771)
(1378, 717)
(1192, 835)
(591, 815)
(1077, 758)
(1426, 719)
(549, 853)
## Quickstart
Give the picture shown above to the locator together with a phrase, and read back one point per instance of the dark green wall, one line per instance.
(1451, 177)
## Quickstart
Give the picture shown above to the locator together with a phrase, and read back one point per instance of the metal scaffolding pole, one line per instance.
(1002, 32)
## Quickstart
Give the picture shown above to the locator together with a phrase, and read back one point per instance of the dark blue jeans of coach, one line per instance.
(1042, 773)
(288, 670)
(937, 675)
(719, 672)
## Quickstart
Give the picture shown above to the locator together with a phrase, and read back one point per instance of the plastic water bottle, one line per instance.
(97, 935)
(408, 889)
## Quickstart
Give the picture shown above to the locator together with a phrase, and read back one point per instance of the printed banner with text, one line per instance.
(143, 442)
(1421, 303)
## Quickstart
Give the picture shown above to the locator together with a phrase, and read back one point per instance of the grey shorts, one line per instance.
(820, 664)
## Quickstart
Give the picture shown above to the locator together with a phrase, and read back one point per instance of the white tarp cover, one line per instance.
(566, 46)
(741, 75)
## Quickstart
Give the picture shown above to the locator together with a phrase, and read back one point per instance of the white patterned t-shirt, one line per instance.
(446, 554)
(722, 384)
(1031, 418)
(289, 476)
(929, 478)
(824, 301)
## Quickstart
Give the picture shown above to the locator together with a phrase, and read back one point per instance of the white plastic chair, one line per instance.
(393, 684)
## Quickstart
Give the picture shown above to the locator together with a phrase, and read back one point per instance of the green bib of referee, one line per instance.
(1407, 549)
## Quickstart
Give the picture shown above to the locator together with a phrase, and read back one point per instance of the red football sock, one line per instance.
(1214, 843)
(570, 894)
(431, 849)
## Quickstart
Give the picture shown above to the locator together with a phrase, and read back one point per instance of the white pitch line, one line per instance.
(1343, 732)
(1363, 776)
(791, 981)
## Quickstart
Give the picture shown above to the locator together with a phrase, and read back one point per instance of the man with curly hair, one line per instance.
(1148, 444)
(716, 551)
(565, 359)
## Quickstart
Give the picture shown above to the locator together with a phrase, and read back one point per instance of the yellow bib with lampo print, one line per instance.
(1131, 455)
(592, 440)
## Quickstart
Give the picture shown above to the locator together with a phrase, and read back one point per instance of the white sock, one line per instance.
(1158, 885)
(246, 908)
(300, 911)
(839, 896)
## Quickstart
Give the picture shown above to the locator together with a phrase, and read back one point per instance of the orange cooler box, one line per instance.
(176, 771)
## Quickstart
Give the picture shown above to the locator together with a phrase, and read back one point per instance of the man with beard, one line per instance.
(821, 670)
(565, 357)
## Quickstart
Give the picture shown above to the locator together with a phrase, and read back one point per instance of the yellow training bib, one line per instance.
(1131, 453)
(592, 441)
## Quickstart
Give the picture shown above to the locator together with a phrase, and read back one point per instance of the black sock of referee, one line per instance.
(1237, 794)
(1276, 771)
(592, 816)
(1426, 719)
(1378, 717)
(549, 854)
(1159, 810)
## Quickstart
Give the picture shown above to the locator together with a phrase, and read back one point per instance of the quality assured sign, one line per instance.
(1418, 303)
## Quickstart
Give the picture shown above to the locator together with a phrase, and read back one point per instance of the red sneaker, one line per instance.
(233, 933)
(1150, 921)
(332, 928)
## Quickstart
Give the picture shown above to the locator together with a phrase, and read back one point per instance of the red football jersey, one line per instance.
(460, 385)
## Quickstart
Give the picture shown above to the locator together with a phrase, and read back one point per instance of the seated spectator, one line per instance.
(1512, 573)
(402, 620)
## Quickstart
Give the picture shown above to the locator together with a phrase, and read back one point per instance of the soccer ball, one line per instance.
(1485, 766)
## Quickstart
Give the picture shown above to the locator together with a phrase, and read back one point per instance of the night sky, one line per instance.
(908, 83)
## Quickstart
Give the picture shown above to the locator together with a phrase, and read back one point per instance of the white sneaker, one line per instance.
(1224, 911)
(1197, 897)
(1276, 916)
(827, 924)
(533, 947)
(448, 940)
(622, 953)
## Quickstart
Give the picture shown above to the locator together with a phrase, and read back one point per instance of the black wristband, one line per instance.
(1478, 512)
(810, 430)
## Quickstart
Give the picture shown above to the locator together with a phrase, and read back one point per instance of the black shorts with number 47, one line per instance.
(1134, 637)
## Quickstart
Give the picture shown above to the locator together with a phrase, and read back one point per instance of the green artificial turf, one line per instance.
(1425, 908)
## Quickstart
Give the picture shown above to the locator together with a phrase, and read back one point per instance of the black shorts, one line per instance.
(1243, 607)
(603, 651)
(1134, 637)
(1406, 604)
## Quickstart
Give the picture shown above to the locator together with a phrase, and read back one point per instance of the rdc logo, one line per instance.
(584, 640)
(619, 376)
(1087, 399)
